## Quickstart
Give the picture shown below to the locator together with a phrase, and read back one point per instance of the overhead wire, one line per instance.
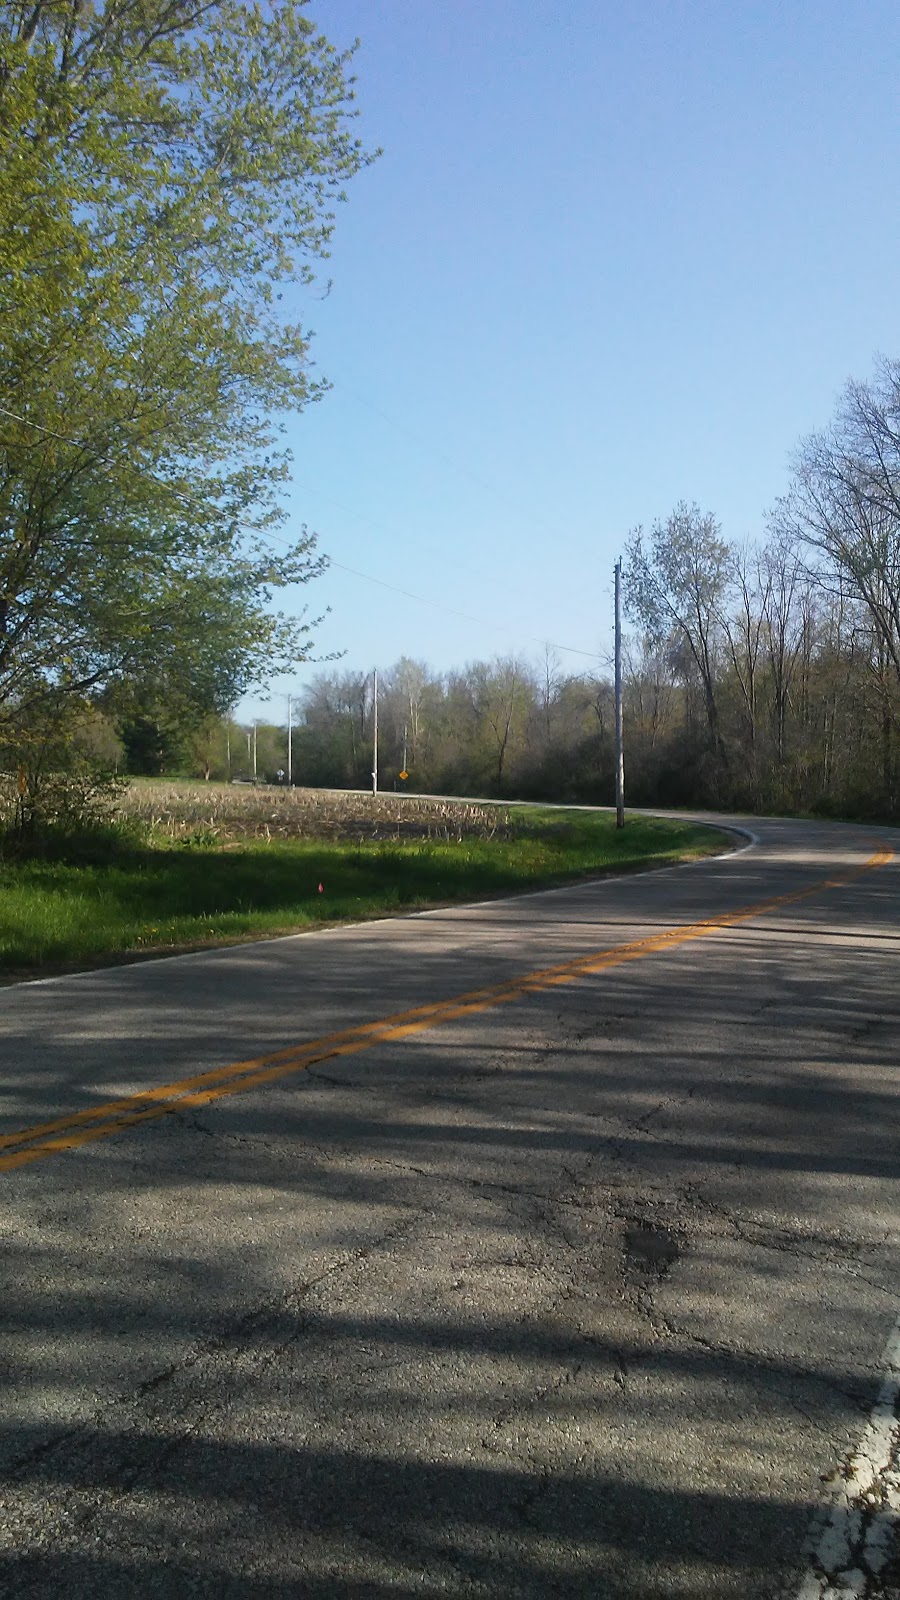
(340, 386)
(438, 605)
(268, 534)
(112, 461)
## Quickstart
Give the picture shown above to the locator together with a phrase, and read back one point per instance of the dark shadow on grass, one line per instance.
(240, 890)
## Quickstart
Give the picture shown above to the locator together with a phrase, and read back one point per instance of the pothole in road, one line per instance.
(650, 1249)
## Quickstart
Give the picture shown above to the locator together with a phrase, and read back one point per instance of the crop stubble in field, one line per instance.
(220, 864)
(246, 811)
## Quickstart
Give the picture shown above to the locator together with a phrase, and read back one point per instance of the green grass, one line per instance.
(171, 896)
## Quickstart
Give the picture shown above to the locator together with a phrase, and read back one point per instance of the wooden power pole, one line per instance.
(620, 753)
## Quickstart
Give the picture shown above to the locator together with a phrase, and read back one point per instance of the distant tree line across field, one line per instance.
(761, 675)
(794, 714)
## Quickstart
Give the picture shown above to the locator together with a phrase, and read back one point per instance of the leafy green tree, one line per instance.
(152, 743)
(165, 168)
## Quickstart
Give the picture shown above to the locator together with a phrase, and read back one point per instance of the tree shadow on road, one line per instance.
(375, 1330)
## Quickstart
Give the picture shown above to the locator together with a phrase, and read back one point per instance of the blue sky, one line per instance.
(612, 256)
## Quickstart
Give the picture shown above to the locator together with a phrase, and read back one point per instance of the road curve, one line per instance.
(549, 1246)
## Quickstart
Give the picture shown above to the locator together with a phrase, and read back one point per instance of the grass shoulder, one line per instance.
(204, 882)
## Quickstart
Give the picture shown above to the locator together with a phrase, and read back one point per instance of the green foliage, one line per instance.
(200, 839)
(492, 728)
(164, 168)
(152, 743)
(60, 795)
(789, 704)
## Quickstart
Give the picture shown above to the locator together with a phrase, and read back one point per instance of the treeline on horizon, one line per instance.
(762, 675)
(789, 719)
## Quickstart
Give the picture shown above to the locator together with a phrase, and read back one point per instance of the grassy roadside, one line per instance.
(176, 895)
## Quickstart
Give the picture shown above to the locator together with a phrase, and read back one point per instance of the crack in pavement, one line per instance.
(230, 1340)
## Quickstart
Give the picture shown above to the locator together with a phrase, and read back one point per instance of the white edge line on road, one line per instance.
(147, 960)
(850, 1538)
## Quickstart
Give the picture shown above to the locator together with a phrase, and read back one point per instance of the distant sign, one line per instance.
(404, 776)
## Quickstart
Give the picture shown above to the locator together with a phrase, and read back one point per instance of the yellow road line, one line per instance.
(69, 1132)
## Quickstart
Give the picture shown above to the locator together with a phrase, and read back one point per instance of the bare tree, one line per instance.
(845, 501)
(549, 691)
(503, 692)
(677, 591)
(410, 681)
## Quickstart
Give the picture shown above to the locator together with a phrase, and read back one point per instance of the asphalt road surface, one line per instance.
(583, 1284)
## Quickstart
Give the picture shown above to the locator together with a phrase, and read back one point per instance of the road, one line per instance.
(547, 1247)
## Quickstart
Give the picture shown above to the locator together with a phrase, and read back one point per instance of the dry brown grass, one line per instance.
(239, 811)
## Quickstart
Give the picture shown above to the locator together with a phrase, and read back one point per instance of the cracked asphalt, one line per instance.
(586, 1295)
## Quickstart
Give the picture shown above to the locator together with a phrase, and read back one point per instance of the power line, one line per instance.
(383, 527)
(191, 501)
(438, 605)
(457, 467)
(113, 461)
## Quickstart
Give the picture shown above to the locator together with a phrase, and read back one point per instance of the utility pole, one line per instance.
(375, 733)
(289, 752)
(254, 749)
(620, 753)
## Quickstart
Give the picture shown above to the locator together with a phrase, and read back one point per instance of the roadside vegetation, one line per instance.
(185, 866)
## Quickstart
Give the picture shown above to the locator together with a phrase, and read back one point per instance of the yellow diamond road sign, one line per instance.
(404, 775)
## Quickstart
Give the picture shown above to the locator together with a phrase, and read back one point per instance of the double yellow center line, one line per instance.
(188, 1094)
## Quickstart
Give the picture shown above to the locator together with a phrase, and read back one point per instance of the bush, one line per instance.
(64, 814)
(58, 794)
